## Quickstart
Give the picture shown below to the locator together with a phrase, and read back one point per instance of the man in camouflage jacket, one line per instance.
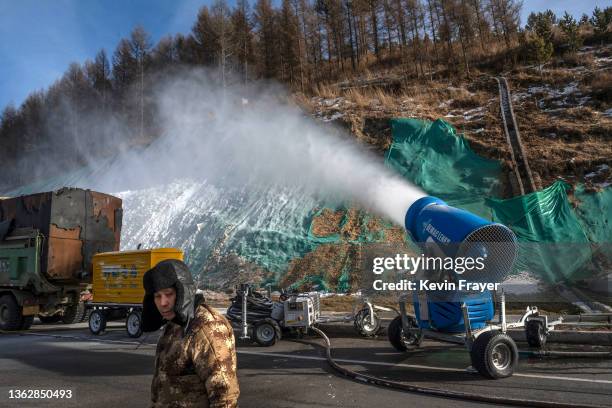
(195, 361)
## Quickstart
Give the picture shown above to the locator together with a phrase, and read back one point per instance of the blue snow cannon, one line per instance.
(449, 232)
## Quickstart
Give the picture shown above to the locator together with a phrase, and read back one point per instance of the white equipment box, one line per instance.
(302, 310)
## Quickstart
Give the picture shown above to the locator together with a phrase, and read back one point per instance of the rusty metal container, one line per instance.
(76, 224)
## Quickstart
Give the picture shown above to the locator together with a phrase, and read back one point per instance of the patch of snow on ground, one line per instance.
(550, 92)
(603, 61)
(473, 113)
(333, 117)
(600, 177)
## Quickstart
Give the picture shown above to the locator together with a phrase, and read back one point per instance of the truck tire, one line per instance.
(266, 332)
(133, 324)
(535, 332)
(364, 326)
(494, 355)
(81, 313)
(26, 322)
(72, 314)
(97, 322)
(10, 313)
(50, 319)
(396, 336)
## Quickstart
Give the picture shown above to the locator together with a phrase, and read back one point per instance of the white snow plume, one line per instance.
(209, 133)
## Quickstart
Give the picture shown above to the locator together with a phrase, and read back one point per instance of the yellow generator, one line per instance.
(117, 286)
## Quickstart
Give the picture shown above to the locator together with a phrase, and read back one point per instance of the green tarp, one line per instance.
(552, 242)
(433, 156)
(594, 212)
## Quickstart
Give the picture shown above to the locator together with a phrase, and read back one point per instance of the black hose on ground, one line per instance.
(436, 392)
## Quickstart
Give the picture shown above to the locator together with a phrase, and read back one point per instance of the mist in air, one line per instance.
(250, 138)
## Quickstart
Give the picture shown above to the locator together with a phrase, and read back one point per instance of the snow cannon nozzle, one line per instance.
(459, 233)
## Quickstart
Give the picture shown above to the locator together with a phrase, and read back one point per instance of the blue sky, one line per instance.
(40, 38)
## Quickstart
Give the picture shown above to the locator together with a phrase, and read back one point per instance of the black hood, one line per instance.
(170, 273)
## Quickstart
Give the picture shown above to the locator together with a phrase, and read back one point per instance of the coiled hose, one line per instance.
(436, 392)
(258, 307)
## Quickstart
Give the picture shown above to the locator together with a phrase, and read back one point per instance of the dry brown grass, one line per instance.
(576, 60)
(365, 98)
(385, 99)
(580, 113)
(326, 90)
(468, 102)
(303, 101)
(558, 76)
(358, 96)
(601, 86)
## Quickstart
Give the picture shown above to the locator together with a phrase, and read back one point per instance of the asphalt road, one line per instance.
(114, 370)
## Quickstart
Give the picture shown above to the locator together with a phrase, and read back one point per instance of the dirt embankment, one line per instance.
(564, 114)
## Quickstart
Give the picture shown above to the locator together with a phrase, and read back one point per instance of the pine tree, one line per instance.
(541, 24)
(289, 35)
(242, 37)
(204, 39)
(540, 50)
(601, 19)
(221, 29)
(269, 56)
(539, 45)
(125, 68)
(569, 26)
(140, 46)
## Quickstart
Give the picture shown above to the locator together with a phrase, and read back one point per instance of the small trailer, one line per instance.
(257, 316)
(117, 286)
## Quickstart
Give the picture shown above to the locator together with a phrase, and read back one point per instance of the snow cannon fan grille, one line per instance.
(498, 246)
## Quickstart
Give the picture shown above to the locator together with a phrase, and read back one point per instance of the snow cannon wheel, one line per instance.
(535, 332)
(97, 322)
(397, 338)
(364, 325)
(266, 332)
(494, 355)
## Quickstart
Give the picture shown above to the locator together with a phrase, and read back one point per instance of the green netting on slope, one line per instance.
(594, 211)
(433, 156)
(344, 282)
(273, 250)
(552, 242)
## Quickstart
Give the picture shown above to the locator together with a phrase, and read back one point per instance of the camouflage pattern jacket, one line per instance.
(196, 368)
